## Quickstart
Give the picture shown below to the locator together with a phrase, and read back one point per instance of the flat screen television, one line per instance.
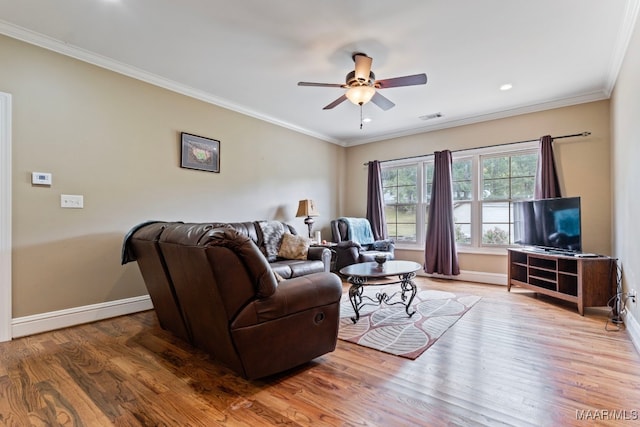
(550, 224)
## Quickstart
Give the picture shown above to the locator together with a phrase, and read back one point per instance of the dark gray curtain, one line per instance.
(440, 248)
(547, 185)
(375, 202)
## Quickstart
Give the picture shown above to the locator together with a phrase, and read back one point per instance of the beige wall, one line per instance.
(115, 140)
(625, 123)
(583, 164)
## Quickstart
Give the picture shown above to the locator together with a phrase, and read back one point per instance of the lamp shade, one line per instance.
(307, 207)
(360, 95)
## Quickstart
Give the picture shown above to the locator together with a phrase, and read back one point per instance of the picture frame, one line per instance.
(199, 153)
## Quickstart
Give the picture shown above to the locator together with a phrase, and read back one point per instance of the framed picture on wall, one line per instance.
(200, 153)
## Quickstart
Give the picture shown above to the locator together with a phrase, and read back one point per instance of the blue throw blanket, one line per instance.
(359, 230)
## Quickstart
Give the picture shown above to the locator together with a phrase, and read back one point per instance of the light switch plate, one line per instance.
(71, 201)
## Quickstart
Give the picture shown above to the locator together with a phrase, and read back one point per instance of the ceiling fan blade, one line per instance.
(320, 84)
(363, 66)
(336, 102)
(416, 79)
(382, 101)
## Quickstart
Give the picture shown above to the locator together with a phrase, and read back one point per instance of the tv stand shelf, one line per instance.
(587, 282)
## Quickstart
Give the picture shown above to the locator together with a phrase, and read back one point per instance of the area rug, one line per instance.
(388, 328)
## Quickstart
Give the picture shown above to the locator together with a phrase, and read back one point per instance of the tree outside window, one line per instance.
(505, 179)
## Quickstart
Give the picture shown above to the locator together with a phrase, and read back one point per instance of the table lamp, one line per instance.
(307, 208)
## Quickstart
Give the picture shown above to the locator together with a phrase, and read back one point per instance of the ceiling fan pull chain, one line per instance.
(360, 116)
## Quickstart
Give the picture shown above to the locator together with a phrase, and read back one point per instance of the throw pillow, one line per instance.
(381, 245)
(294, 247)
(272, 232)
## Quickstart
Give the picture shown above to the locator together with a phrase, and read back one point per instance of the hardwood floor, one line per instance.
(513, 360)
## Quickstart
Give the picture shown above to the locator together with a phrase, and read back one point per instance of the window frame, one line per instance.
(476, 155)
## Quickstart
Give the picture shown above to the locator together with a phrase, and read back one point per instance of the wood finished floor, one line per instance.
(513, 360)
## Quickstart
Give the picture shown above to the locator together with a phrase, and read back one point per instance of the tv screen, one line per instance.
(548, 223)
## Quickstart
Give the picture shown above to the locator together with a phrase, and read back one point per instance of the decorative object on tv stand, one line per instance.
(198, 152)
(307, 208)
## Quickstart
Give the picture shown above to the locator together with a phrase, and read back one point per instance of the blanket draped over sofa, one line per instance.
(359, 230)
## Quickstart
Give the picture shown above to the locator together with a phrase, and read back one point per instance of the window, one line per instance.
(485, 184)
(462, 186)
(400, 190)
(505, 178)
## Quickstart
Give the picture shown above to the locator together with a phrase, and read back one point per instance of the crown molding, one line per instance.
(622, 44)
(499, 114)
(78, 53)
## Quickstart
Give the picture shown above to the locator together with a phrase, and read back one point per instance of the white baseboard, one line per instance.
(44, 322)
(631, 323)
(473, 276)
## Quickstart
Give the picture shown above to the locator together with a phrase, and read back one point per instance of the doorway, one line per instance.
(5, 217)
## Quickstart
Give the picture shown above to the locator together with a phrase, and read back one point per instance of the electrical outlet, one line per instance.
(71, 201)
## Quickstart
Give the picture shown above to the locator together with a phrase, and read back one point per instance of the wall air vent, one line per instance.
(430, 116)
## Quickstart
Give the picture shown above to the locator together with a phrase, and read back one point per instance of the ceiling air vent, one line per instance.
(430, 116)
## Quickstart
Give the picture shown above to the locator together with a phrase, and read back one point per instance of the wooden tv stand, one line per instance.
(588, 282)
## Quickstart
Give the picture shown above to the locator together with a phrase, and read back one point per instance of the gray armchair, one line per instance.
(355, 242)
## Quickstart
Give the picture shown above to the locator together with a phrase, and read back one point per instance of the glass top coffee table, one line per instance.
(366, 274)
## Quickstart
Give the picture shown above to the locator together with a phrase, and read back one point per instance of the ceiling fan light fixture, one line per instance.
(360, 95)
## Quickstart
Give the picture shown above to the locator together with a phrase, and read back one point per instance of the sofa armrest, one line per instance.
(320, 253)
(347, 253)
(346, 244)
(292, 296)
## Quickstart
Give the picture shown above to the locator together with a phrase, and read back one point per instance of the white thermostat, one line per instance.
(41, 178)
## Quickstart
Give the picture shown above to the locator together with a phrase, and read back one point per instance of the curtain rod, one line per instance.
(585, 133)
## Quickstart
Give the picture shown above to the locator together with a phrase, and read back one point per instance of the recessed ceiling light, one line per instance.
(506, 86)
(366, 120)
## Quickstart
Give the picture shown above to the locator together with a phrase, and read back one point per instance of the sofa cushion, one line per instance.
(247, 228)
(289, 268)
(302, 268)
(282, 269)
(294, 247)
(382, 245)
(272, 233)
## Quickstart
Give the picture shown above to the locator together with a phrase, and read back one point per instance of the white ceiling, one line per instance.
(248, 55)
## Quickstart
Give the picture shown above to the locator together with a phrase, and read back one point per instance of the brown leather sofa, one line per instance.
(213, 285)
(318, 258)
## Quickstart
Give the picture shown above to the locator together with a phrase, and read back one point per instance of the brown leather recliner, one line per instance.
(350, 250)
(235, 310)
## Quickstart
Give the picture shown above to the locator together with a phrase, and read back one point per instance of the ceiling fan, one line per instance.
(361, 84)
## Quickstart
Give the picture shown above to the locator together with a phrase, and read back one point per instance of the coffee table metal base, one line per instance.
(407, 291)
